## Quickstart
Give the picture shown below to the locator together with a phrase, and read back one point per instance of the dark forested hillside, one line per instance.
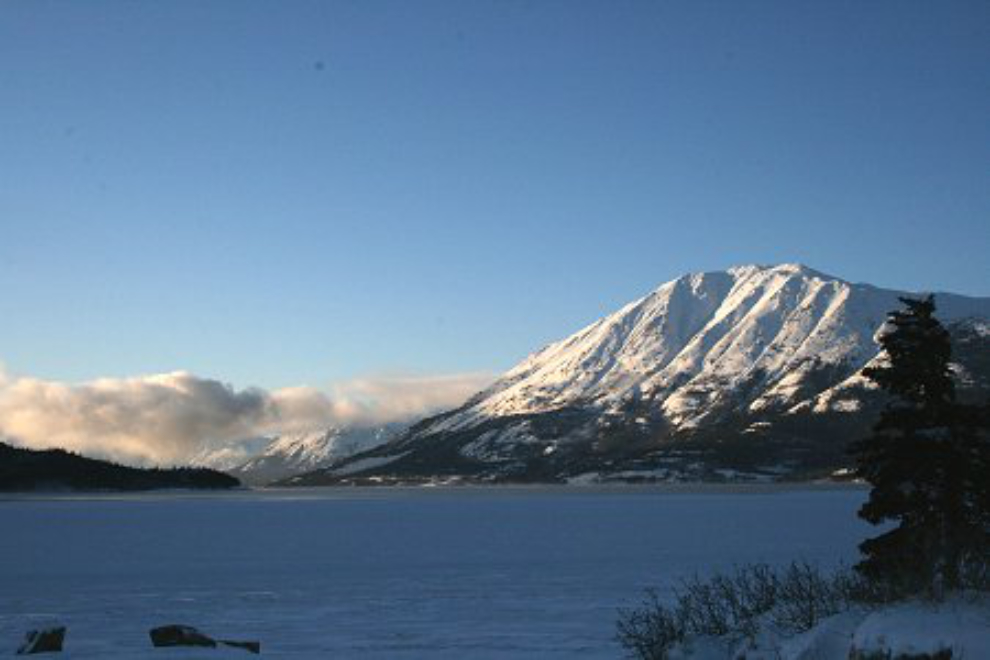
(27, 470)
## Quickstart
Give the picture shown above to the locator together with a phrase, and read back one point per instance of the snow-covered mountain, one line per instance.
(293, 453)
(229, 456)
(755, 364)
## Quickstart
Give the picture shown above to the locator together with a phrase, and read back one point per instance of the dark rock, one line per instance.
(46, 640)
(251, 647)
(176, 635)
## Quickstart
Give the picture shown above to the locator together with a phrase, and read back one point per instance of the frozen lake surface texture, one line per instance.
(427, 573)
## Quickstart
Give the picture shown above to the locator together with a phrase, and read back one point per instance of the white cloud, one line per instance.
(169, 418)
(385, 398)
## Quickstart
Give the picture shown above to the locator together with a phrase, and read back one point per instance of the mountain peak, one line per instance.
(790, 268)
(693, 339)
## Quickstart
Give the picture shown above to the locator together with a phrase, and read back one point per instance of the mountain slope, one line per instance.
(295, 453)
(755, 368)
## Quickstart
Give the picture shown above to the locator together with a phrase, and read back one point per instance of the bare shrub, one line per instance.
(650, 630)
(735, 605)
(806, 596)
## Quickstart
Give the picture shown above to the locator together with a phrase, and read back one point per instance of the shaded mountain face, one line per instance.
(295, 453)
(751, 373)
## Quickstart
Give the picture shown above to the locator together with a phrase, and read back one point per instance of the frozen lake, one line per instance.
(398, 573)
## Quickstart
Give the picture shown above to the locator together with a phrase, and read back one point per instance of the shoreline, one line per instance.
(430, 490)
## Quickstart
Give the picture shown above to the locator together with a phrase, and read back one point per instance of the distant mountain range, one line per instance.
(293, 453)
(58, 470)
(754, 373)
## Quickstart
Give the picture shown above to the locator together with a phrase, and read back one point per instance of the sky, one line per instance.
(294, 194)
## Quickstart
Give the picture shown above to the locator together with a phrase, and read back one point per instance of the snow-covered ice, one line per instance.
(961, 624)
(388, 573)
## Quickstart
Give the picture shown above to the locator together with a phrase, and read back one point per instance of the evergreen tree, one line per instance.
(927, 461)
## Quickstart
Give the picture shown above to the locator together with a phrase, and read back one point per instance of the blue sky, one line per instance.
(284, 193)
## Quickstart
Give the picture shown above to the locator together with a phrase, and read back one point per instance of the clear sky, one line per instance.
(282, 193)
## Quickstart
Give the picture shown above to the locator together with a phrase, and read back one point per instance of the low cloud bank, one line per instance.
(168, 419)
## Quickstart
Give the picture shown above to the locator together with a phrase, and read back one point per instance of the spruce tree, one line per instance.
(926, 461)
